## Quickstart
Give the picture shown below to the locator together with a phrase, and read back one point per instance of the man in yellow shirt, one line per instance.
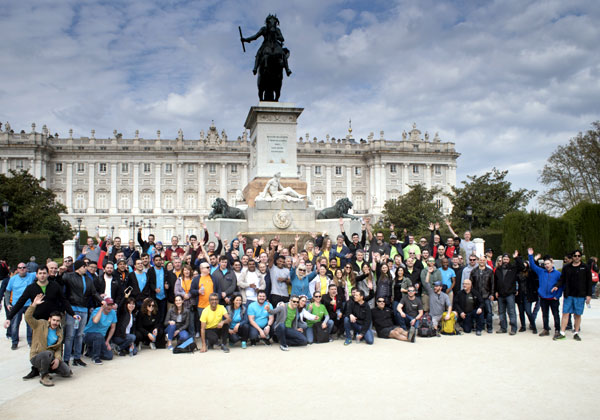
(214, 324)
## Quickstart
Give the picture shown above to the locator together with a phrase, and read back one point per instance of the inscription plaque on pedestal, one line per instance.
(273, 137)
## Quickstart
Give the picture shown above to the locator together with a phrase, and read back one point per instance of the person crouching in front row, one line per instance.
(46, 344)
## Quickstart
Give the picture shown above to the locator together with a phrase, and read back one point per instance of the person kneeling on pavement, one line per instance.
(46, 344)
(103, 320)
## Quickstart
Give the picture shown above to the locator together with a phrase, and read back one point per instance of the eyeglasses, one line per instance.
(411, 291)
(316, 296)
(151, 305)
(472, 259)
(576, 255)
(348, 267)
(294, 301)
(381, 301)
(21, 267)
(301, 270)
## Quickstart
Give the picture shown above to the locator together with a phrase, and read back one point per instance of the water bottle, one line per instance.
(76, 324)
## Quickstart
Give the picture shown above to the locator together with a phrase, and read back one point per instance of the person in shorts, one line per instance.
(383, 321)
(576, 278)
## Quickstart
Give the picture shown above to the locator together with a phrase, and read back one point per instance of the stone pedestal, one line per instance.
(257, 185)
(479, 247)
(280, 217)
(227, 228)
(70, 249)
(273, 137)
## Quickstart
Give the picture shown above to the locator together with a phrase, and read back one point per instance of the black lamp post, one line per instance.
(132, 225)
(469, 215)
(5, 209)
(79, 220)
(112, 232)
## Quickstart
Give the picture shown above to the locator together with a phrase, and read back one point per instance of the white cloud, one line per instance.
(507, 81)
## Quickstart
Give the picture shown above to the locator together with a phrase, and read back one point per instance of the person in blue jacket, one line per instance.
(549, 300)
(301, 279)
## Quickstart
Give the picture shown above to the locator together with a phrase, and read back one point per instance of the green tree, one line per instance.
(571, 173)
(491, 198)
(33, 208)
(414, 210)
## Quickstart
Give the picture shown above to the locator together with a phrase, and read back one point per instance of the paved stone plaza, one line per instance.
(466, 377)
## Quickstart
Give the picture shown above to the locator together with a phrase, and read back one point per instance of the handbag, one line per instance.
(321, 335)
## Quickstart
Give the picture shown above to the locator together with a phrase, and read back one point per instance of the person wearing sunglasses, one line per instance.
(322, 322)
(576, 278)
(287, 324)
(15, 288)
(149, 328)
(383, 321)
(301, 279)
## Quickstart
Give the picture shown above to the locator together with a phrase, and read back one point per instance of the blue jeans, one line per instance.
(254, 335)
(404, 323)
(170, 330)
(507, 304)
(15, 323)
(289, 336)
(310, 335)
(467, 323)
(74, 337)
(525, 310)
(123, 343)
(97, 346)
(356, 327)
(488, 314)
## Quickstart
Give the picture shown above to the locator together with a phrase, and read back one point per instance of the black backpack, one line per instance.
(188, 346)
(426, 328)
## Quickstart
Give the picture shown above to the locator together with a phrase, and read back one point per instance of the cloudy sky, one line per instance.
(507, 80)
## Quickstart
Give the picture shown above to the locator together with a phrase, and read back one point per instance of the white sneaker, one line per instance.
(152, 346)
(283, 348)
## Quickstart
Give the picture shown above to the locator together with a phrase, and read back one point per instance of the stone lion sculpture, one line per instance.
(339, 209)
(221, 210)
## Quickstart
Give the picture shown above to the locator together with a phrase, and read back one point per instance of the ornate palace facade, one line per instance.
(169, 185)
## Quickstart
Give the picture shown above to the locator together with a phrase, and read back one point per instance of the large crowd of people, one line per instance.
(114, 299)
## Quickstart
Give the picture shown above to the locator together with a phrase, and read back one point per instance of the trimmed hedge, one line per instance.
(545, 234)
(492, 238)
(590, 229)
(18, 247)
